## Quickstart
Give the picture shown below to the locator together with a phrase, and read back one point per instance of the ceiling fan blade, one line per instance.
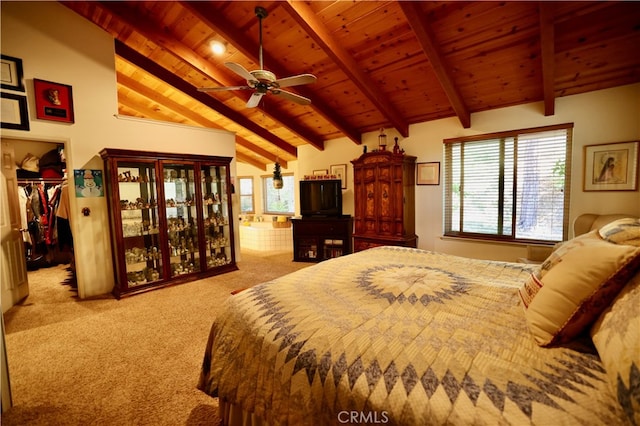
(292, 97)
(295, 80)
(254, 100)
(240, 70)
(220, 89)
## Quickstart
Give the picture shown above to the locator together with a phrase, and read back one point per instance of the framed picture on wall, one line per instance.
(340, 170)
(611, 167)
(14, 112)
(12, 76)
(54, 101)
(428, 173)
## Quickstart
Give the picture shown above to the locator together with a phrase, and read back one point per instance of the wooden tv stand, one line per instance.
(319, 238)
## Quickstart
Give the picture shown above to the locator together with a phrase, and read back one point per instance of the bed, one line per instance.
(403, 336)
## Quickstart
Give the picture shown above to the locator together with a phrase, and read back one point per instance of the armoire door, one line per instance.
(384, 200)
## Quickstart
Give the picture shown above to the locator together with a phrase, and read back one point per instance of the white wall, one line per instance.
(56, 44)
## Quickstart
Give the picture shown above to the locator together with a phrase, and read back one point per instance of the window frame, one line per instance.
(251, 195)
(501, 136)
(266, 182)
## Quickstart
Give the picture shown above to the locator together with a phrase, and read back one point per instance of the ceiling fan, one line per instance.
(262, 81)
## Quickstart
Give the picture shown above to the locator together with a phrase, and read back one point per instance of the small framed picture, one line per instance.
(611, 167)
(428, 173)
(14, 112)
(340, 170)
(88, 183)
(12, 76)
(54, 101)
(320, 172)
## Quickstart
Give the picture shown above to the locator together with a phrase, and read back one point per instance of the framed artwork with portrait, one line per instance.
(54, 101)
(611, 167)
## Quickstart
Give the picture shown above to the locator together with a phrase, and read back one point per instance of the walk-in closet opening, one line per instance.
(43, 200)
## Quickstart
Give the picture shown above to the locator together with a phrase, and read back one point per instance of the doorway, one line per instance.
(35, 193)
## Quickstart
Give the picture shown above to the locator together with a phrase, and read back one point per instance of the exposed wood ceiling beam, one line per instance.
(420, 27)
(250, 160)
(149, 113)
(244, 44)
(181, 51)
(306, 18)
(156, 70)
(261, 152)
(189, 115)
(547, 47)
(177, 108)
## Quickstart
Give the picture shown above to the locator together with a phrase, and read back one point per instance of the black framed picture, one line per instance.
(11, 75)
(14, 112)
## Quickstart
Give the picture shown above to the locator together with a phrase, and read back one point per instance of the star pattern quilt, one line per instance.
(399, 336)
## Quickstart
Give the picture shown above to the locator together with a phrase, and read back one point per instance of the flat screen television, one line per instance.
(321, 198)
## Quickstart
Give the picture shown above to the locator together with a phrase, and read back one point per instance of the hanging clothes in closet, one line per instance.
(42, 180)
(40, 200)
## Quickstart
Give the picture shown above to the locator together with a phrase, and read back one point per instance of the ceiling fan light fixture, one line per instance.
(262, 81)
(218, 47)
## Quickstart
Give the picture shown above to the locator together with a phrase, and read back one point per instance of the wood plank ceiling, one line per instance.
(380, 64)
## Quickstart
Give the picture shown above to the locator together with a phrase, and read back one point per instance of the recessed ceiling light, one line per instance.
(217, 47)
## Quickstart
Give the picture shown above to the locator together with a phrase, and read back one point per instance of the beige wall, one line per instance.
(57, 45)
(611, 115)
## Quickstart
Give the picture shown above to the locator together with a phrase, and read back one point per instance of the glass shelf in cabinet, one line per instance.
(144, 276)
(139, 204)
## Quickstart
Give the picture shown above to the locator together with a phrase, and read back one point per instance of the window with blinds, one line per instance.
(511, 186)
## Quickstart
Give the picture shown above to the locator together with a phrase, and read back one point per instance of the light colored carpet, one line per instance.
(109, 362)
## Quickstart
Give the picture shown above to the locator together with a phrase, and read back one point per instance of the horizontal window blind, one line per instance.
(509, 185)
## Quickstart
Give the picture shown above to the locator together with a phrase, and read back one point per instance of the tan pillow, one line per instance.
(574, 285)
(622, 231)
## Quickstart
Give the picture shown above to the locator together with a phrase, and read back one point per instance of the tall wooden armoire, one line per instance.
(384, 197)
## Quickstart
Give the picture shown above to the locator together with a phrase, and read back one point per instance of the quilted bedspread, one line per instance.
(399, 336)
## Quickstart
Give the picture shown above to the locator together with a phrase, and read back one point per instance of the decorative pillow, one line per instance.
(616, 336)
(622, 231)
(574, 285)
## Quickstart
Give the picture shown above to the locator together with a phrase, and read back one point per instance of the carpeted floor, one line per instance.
(109, 362)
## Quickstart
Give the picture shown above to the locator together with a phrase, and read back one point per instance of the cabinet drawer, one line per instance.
(321, 228)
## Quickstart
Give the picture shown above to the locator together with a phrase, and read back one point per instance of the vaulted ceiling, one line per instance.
(379, 64)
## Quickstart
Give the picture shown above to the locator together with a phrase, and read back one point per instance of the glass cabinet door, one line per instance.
(215, 205)
(182, 218)
(140, 222)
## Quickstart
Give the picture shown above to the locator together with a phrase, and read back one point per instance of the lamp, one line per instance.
(217, 47)
(382, 140)
(278, 183)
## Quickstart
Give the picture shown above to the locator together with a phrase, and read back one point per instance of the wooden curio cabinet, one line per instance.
(170, 218)
(384, 200)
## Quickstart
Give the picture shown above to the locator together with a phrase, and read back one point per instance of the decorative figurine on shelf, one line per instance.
(382, 140)
(277, 176)
(396, 147)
